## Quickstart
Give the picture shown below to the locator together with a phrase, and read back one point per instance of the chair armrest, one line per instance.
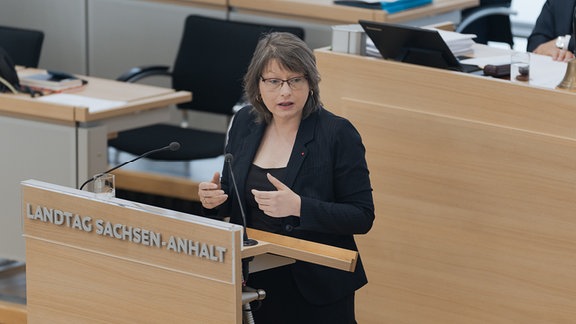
(141, 72)
(483, 13)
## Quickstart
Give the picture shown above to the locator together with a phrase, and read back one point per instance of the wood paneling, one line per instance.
(474, 183)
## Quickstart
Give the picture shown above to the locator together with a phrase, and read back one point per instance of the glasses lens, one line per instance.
(294, 83)
(273, 84)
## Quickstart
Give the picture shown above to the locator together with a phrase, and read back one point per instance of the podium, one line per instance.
(110, 260)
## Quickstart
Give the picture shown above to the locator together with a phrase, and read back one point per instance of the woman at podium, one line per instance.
(301, 172)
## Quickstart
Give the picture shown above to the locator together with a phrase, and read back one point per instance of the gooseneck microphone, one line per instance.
(174, 146)
(228, 160)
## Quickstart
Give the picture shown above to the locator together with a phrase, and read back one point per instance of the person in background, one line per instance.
(301, 172)
(553, 33)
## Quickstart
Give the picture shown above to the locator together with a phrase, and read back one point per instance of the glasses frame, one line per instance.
(282, 81)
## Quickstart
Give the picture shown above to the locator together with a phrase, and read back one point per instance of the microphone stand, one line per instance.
(174, 146)
(248, 294)
(246, 241)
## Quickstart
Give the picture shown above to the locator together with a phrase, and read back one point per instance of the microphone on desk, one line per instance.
(174, 146)
(228, 160)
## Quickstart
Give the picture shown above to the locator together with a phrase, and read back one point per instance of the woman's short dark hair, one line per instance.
(291, 53)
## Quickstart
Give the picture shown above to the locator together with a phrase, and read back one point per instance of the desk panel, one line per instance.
(474, 182)
(32, 149)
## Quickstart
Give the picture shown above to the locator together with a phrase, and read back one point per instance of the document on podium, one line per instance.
(94, 105)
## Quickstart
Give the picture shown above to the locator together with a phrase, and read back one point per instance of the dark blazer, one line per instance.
(554, 20)
(327, 168)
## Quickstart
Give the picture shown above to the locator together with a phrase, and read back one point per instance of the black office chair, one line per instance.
(211, 62)
(490, 21)
(23, 45)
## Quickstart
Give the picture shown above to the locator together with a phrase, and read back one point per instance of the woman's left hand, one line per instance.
(281, 203)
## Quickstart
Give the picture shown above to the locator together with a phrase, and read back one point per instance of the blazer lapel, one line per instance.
(245, 156)
(300, 150)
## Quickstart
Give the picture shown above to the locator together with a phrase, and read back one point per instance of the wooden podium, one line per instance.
(115, 261)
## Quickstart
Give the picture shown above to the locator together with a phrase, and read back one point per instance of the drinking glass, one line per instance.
(520, 67)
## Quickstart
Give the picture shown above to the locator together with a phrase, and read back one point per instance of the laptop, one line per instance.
(413, 45)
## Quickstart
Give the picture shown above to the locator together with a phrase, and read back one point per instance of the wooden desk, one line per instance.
(12, 313)
(327, 11)
(318, 16)
(474, 183)
(66, 144)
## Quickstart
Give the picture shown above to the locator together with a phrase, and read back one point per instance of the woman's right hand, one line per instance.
(210, 193)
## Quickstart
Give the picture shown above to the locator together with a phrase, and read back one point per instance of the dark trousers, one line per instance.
(285, 305)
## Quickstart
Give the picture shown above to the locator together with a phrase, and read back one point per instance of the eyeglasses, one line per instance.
(296, 83)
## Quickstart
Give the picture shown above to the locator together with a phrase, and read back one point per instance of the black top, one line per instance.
(257, 180)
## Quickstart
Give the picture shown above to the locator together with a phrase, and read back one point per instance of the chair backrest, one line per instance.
(212, 59)
(490, 21)
(23, 45)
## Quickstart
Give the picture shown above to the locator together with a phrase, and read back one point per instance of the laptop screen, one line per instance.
(411, 45)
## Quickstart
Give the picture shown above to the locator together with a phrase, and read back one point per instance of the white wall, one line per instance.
(123, 31)
(102, 37)
(63, 23)
(128, 33)
(528, 11)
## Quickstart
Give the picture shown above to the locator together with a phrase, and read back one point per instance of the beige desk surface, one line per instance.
(219, 3)
(328, 11)
(137, 97)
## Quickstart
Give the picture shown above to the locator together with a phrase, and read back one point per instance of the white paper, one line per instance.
(93, 104)
(544, 72)
(459, 44)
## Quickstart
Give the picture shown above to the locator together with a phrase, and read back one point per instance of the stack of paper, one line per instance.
(50, 81)
(371, 49)
(459, 44)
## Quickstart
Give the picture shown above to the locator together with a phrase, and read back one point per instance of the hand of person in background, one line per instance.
(281, 203)
(557, 54)
(210, 193)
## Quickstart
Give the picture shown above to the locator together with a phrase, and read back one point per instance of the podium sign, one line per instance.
(115, 261)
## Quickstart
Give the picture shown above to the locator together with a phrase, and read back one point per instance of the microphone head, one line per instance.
(174, 146)
(228, 157)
